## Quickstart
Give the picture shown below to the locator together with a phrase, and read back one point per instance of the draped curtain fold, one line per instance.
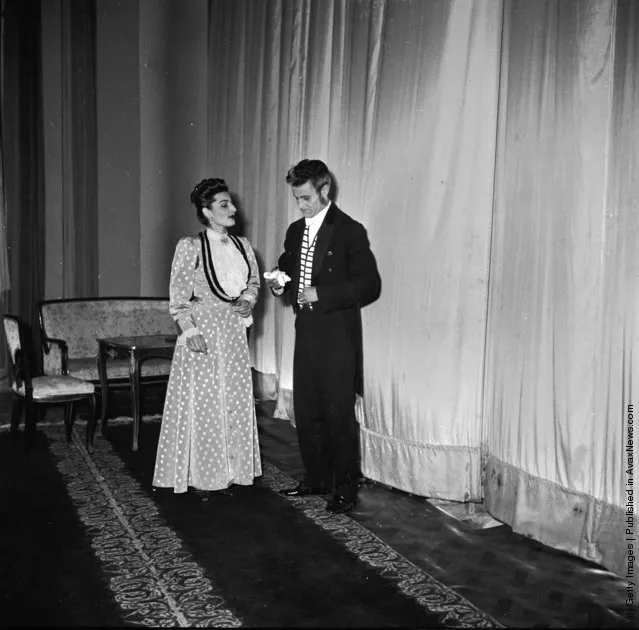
(562, 301)
(490, 148)
(22, 151)
(80, 199)
(70, 141)
(5, 279)
(48, 166)
(400, 100)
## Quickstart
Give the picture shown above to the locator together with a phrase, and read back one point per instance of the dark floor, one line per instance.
(520, 582)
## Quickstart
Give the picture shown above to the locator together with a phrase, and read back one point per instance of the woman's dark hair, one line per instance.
(204, 193)
(314, 171)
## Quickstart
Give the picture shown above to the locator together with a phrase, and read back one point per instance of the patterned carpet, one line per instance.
(158, 579)
(467, 576)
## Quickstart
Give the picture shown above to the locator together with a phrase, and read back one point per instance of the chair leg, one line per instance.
(17, 405)
(91, 422)
(68, 419)
(30, 416)
(104, 407)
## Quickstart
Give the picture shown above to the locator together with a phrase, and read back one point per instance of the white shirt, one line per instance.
(315, 222)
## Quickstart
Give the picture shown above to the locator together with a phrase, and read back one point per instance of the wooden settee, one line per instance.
(70, 328)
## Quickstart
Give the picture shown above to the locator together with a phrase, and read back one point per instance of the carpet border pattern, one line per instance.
(456, 611)
(158, 583)
(151, 575)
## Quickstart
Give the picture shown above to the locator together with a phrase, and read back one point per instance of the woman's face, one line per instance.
(221, 212)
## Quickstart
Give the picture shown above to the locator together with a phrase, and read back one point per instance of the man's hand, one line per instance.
(276, 279)
(196, 343)
(308, 295)
(243, 308)
(273, 284)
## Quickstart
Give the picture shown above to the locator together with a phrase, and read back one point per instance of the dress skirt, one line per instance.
(208, 439)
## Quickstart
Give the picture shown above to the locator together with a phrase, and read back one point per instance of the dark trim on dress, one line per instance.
(209, 269)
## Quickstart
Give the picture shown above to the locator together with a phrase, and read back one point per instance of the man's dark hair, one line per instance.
(314, 171)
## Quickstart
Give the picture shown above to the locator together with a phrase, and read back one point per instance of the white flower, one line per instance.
(278, 275)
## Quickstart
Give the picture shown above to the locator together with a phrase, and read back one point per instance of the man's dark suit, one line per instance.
(327, 365)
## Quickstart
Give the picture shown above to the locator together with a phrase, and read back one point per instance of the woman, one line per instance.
(208, 440)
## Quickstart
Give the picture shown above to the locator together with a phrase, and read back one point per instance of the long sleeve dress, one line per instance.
(208, 439)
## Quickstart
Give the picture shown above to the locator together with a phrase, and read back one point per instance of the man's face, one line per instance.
(309, 201)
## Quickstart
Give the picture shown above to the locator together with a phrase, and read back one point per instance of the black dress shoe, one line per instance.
(302, 491)
(339, 504)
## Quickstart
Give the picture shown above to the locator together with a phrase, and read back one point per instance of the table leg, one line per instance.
(90, 424)
(134, 378)
(104, 384)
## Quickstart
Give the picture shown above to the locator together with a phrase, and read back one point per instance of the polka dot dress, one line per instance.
(208, 438)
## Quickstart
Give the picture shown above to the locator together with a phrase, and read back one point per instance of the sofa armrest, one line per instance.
(55, 356)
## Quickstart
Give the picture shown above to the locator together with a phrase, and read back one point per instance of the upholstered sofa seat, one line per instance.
(87, 369)
(70, 329)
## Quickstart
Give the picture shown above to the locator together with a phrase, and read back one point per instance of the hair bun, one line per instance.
(204, 192)
(203, 186)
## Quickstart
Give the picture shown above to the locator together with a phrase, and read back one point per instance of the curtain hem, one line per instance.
(284, 407)
(264, 386)
(442, 472)
(557, 516)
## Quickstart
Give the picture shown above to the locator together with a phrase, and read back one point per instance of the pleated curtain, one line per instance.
(561, 345)
(400, 100)
(491, 150)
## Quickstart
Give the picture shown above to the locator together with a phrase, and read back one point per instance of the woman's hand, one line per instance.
(243, 308)
(196, 343)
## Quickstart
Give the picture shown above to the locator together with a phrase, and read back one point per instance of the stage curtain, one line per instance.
(70, 147)
(400, 100)
(80, 196)
(22, 166)
(561, 354)
(490, 148)
(5, 279)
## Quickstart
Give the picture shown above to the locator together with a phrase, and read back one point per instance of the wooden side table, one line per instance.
(136, 350)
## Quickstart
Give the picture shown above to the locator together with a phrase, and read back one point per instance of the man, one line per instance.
(332, 274)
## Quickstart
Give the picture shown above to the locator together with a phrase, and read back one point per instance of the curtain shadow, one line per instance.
(23, 151)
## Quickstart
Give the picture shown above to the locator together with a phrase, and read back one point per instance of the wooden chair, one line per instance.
(30, 391)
